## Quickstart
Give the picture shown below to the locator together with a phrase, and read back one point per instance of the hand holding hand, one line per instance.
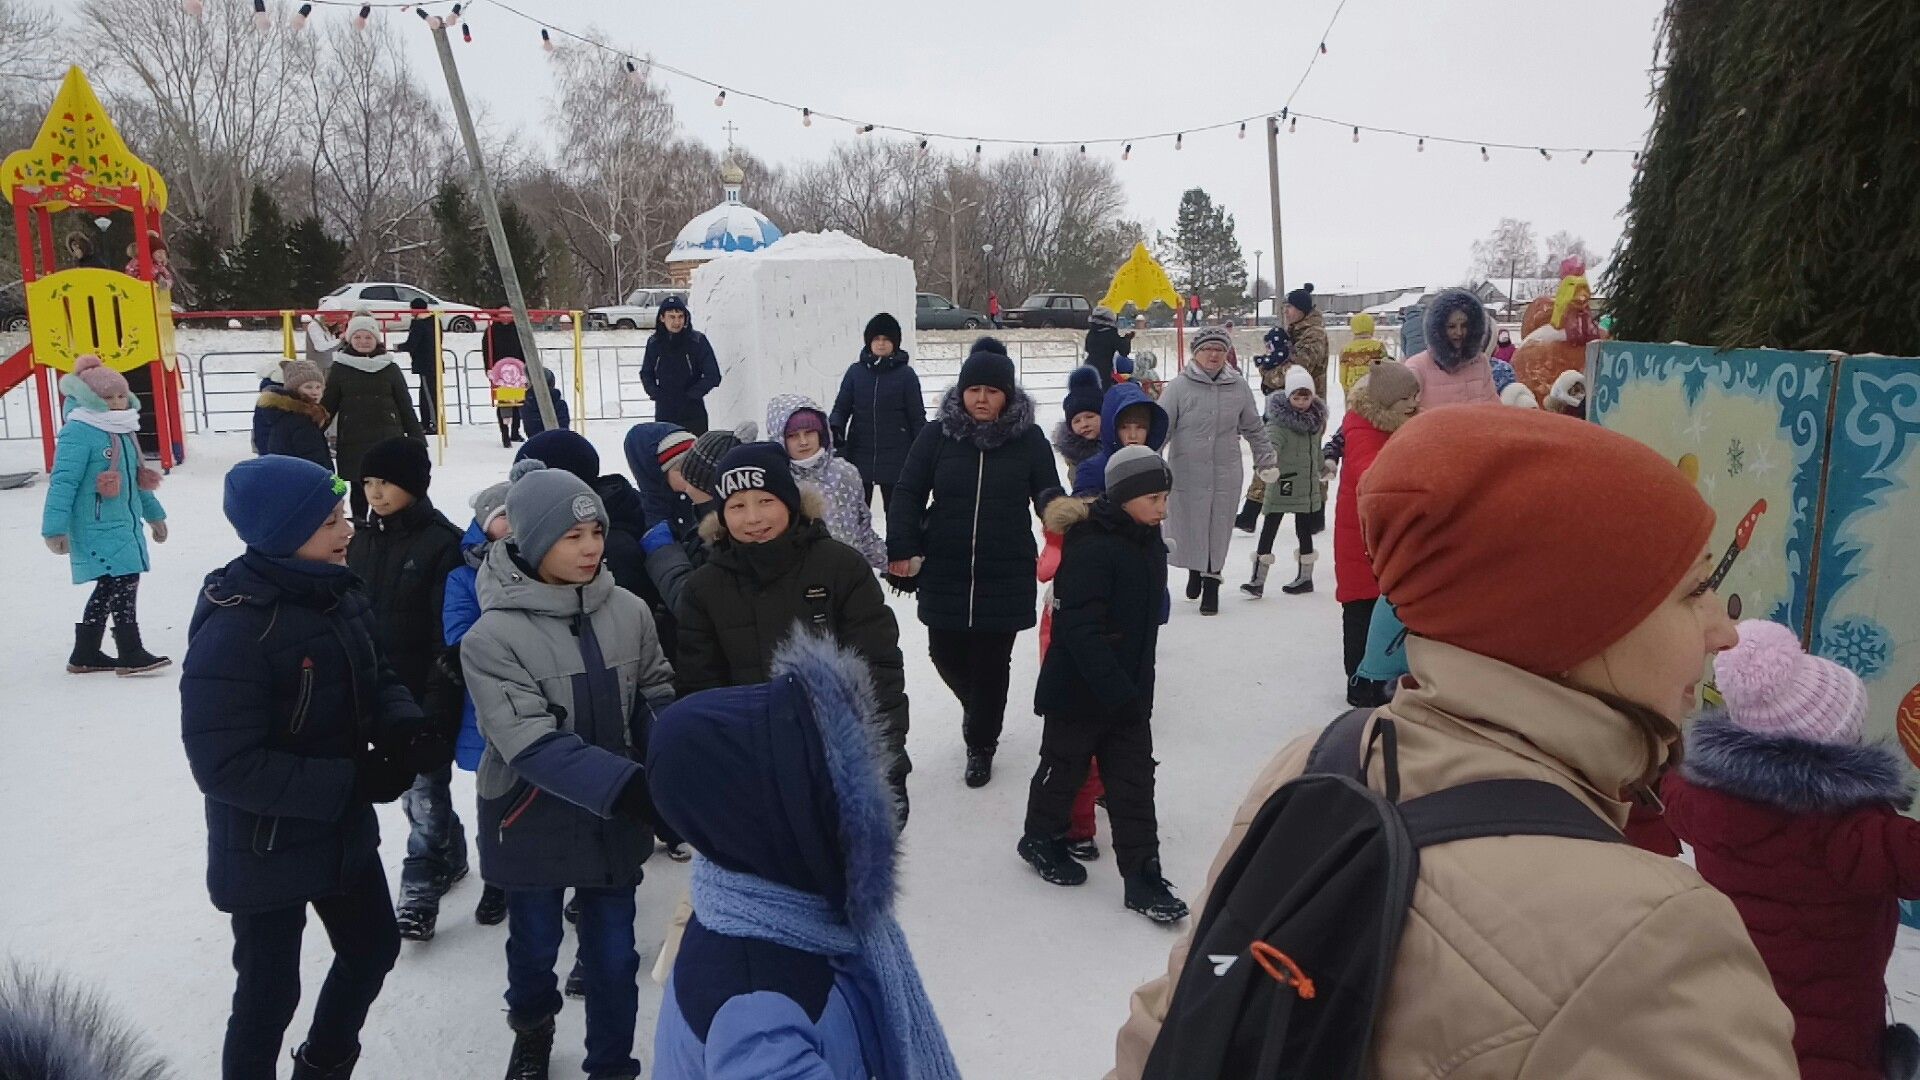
(1269, 475)
(1329, 469)
(379, 776)
(902, 568)
(159, 530)
(59, 545)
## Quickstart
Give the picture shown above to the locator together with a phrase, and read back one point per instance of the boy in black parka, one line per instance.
(404, 556)
(294, 726)
(1096, 684)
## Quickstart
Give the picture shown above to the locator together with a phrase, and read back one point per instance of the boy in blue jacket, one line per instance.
(294, 726)
(461, 610)
(792, 964)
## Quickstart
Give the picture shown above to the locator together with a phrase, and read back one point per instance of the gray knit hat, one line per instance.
(489, 503)
(701, 465)
(543, 504)
(1211, 335)
(1134, 471)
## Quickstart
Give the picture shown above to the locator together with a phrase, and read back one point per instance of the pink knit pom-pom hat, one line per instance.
(1772, 687)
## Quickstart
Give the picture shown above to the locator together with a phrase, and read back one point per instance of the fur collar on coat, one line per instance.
(1013, 421)
(1794, 774)
(1280, 411)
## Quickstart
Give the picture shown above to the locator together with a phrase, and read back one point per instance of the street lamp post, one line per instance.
(1256, 285)
(613, 257)
(986, 254)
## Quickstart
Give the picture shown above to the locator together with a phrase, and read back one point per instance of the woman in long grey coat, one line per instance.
(1209, 406)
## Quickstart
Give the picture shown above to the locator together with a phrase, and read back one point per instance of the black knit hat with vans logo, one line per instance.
(759, 466)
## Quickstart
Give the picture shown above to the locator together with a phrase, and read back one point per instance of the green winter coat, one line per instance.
(1295, 437)
(367, 396)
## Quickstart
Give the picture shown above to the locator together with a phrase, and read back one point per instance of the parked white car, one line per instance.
(385, 296)
(638, 313)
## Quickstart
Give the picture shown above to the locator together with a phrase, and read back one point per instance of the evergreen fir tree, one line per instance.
(204, 279)
(464, 258)
(262, 270)
(1205, 254)
(1777, 204)
(318, 261)
(529, 261)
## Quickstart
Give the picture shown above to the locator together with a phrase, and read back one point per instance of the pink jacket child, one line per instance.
(1455, 370)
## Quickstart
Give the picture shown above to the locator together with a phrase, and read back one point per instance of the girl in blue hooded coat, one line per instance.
(98, 495)
(792, 965)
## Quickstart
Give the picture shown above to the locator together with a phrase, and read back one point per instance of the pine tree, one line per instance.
(529, 261)
(204, 278)
(1779, 200)
(458, 272)
(1205, 254)
(262, 270)
(317, 260)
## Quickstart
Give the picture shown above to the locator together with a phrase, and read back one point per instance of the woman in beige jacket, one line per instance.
(1571, 659)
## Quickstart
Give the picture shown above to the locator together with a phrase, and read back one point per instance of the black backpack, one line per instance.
(1291, 957)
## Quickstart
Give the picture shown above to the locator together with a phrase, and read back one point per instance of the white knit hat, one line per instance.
(1298, 379)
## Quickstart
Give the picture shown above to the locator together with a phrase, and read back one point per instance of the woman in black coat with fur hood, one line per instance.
(960, 526)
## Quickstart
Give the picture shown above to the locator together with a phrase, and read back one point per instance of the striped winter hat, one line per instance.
(1134, 471)
(674, 448)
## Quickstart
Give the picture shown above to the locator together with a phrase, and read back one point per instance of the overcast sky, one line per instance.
(1372, 216)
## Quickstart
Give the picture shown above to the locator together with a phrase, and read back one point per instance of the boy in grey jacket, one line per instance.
(565, 670)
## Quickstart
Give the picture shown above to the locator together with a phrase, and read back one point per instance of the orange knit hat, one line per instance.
(1518, 536)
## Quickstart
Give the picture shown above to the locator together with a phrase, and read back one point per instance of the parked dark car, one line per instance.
(934, 312)
(1067, 310)
(13, 306)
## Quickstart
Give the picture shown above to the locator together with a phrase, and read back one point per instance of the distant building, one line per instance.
(730, 226)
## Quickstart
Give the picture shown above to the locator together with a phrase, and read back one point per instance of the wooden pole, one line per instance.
(1273, 198)
(496, 229)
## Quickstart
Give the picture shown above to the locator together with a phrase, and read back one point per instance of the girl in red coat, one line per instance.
(1385, 398)
(1796, 818)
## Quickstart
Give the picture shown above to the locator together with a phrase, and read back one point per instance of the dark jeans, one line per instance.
(1356, 616)
(976, 666)
(1125, 749)
(606, 950)
(429, 402)
(1304, 526)
(437, 844)
(266, 956)
(886, 495)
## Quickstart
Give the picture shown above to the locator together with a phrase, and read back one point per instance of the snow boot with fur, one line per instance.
(1152, 895)
(87, 657)
(1210, 594)
(1257, 588)
(532, 1050)
(1249, 516)
(1050, 857)
(1304, 582)
(134, 657)
(305, 1069)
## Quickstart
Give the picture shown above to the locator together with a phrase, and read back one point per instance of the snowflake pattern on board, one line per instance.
(1736, 458)
(1861, 645)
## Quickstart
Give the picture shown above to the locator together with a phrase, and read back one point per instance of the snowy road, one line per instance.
(102, 835)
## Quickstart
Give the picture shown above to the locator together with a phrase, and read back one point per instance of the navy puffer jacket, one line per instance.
(877, 414)
(976, 534)
(281, 690)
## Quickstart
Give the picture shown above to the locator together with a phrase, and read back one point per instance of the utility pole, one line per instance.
(490, 209)
(1256, 286)
(1273, 196)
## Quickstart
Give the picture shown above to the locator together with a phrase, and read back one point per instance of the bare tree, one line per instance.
(29, 45)
(219, 95)
(1559, 246)
(1509, 250)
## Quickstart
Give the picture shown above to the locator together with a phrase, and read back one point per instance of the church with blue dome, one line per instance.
(730, 226)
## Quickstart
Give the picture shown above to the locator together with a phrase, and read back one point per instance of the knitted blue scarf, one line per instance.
(746, 906)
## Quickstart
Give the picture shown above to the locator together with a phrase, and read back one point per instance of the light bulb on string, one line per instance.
(1636, 162)
(806, 117)
(720, 99)
(863, 129)
(1293, 125)
(1127, 154)
(195, 8)
(360, 20)
(1179, 140)
(299, 19)
(1587, 157)
(1544, 156)
(453, 17)
(1083, 149)
(923, 148)
(466, 32)
(1484, 156)
(546, 40)
(1036, 151)
(976, 151)
(633, 73)
(1356, 134)
(1421, 148)
(420, 11)
(261, 20)
(1243, 129)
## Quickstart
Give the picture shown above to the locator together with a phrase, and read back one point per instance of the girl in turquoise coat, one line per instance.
(97, 498)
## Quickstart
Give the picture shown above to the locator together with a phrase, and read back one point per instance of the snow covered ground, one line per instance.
(102, 836)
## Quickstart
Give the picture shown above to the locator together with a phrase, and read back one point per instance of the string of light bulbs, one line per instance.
(638, 68)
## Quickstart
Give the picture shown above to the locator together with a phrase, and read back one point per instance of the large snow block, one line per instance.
(787, 319)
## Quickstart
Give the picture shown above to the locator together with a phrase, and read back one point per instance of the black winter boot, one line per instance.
(506, 436)
(305, 1069)
(1248, 518)
(577, 980)
(1152, 895)
(492, 909)
(1193, 584)
(532, 1049)
(417, 919)
(1210, 595)
(87, 657)
(979, 767)
(1050, 856)
(134, 657)
(1303, 583)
